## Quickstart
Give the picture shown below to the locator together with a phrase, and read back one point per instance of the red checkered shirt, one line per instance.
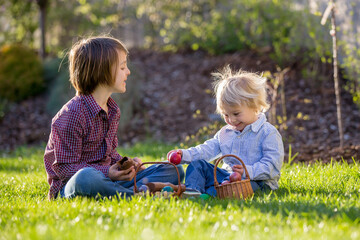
(82, 135)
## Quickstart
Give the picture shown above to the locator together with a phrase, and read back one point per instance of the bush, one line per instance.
(21, 73)
(60, 91)
(221, 26)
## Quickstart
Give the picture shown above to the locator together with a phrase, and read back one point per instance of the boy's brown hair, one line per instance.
(91, 61)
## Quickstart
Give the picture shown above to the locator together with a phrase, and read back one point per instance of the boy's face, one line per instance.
(121, 73)
(239, 116)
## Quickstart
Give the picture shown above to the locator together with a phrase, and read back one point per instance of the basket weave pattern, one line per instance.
(235, 190)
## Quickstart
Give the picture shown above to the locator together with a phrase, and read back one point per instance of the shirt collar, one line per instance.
(94, 108)
(91, 104)
(255, 126)
(112, 104)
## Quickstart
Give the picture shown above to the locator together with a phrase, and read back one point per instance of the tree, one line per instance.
(331, 9)
(42, 4)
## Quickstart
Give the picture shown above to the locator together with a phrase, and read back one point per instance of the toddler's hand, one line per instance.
(174, 156)
(169, 153)
(238, 168)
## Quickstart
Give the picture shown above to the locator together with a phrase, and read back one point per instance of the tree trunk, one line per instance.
(42, 20)
(336, 75)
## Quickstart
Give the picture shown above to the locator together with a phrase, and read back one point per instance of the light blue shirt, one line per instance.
(259, 146)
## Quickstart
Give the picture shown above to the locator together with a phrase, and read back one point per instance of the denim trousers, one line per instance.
(200, 176)
(90, 182)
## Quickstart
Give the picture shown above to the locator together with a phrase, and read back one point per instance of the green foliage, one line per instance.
(313, 202)
(70, 20)
(351, 67)
(149, 150)
(19, 21)
(60, 89)
(285, 29)
(202, 135)
(20, 73)
(64, 20)
(226, 26)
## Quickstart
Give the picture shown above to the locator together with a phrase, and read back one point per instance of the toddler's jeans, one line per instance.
(200, 177)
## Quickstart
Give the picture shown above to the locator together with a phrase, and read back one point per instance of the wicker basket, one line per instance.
(178, 193)
(235, 190)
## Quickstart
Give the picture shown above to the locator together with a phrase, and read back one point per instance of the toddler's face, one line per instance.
(239, 116)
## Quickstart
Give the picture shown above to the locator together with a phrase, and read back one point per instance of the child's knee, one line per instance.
(86, 175)
(83, 182)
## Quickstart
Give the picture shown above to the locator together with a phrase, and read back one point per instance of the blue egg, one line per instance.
(167, 189)
(143, 188)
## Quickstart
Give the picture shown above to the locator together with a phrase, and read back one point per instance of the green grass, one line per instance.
(313, 202)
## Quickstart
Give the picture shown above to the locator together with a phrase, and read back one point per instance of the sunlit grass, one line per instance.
(314, 202)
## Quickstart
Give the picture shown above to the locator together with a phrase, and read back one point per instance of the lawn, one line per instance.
(314, 202)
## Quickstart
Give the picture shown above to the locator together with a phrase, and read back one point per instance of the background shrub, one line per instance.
(21, 73)
(221, 26)
(60, 90)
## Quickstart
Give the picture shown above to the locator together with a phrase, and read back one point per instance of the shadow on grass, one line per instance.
(280, 202)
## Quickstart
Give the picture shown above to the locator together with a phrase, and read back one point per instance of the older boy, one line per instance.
(81, 152)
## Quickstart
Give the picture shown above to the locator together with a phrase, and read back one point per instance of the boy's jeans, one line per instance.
(200, 176)
(91, 182)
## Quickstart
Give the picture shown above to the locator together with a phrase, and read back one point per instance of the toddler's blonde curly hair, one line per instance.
(233, 88)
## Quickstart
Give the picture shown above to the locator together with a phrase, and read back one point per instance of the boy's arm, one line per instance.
(67, 138)
(270, 164)
(207, 151)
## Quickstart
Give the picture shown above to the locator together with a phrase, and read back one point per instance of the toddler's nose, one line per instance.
(233, 120)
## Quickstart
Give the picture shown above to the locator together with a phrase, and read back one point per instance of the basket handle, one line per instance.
(178, 193)
(216, 183)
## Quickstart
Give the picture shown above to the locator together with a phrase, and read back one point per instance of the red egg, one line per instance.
(175, 157)
(235, 177)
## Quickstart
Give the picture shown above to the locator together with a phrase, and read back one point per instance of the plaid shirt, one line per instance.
(82, 135)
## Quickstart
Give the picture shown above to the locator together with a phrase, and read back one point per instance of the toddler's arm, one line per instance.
(207, 151)
(269, 166)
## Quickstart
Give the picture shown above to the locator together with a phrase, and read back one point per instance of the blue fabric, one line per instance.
(200, 177)
(90, 182)
(259, 146)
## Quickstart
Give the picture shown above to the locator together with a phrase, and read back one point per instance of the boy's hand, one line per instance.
(121, 175)
(174, 156)
(238, 168)
(138, 162)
